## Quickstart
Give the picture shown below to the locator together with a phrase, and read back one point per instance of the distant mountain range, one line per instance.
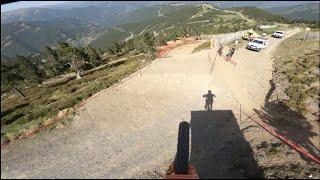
(126, 5)
(220, 4)
(174, 18)
(27, 31)
(26, 38)
(98, 15)
(260, 15)
(309, 11)
(258, 4)
(97, 11)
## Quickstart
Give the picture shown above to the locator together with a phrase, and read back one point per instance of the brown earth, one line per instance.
(130, 131)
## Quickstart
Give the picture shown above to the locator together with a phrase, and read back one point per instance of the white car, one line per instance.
(278, 34)
(257, 44)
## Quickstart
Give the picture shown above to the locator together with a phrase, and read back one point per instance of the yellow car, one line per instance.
(250, 35)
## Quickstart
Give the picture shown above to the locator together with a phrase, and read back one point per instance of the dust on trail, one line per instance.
(130, 131)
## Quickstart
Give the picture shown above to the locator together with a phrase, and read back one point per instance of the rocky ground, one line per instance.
(130, 131)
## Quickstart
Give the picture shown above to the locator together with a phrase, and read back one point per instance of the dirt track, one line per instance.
(130, 131)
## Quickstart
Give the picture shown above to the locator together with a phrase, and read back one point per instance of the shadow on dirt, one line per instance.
(289, 123)
(182, 156)
(209, 100)
(218, 147)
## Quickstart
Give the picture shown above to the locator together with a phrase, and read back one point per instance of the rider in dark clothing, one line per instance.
(231, 52)
(209, 100)
(220, 50)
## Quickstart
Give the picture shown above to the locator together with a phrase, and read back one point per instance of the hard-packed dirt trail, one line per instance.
(130, 131)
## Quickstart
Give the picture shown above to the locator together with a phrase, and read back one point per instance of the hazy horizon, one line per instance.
(27, 4)
(30, 4)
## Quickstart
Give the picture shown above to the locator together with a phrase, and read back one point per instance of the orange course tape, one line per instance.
(230, 60)
(285, 140)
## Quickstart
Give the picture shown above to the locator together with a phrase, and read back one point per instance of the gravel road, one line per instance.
(130, 131)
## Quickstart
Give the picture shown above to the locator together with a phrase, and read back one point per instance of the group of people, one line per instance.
(209, 96)
(231, 50)
(230, 53)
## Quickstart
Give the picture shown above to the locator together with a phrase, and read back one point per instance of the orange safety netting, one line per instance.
(164, 50)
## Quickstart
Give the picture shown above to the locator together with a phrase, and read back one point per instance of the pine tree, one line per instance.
(116, 48)
(28, 70)
(93, 55)
(52, 67)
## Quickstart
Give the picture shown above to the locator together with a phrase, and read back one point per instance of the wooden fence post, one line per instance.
(240, 115)
(306, 34)
(18, 92)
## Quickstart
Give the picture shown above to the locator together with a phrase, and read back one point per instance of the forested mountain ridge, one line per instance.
(309, 11)
(164, 23)
(97, 12)
(27, 38)
(84, 26)
(141, 32)
(27, 31)
(169, 21)
(260, 15)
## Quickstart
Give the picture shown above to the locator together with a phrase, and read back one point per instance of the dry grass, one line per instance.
(297, 62)
(19, 116)
(201, 47)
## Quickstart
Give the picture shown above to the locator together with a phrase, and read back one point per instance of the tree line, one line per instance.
(24, 72)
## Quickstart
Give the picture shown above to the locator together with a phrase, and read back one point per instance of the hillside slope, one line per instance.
(221, 4)
(96, 12)
(260, 15)
(136, 136)
(100, 26)
(172, 21)
(27, 38)
(309, 12)
(259, 4)
(26, 31)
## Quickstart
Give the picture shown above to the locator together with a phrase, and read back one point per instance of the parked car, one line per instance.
(250, 35)
(257, 44)
(278, 34)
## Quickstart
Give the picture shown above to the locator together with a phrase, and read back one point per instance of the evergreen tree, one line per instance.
(52, 66)
(93, 55)
(28, 70)
(10, 75)
(115, 49)
(149, 46)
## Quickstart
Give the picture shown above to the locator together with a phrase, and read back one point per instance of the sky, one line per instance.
(27, 4)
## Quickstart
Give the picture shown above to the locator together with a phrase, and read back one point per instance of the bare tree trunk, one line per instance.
(78, 74)
(19, 93)
(78, 71)
(305, 35)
